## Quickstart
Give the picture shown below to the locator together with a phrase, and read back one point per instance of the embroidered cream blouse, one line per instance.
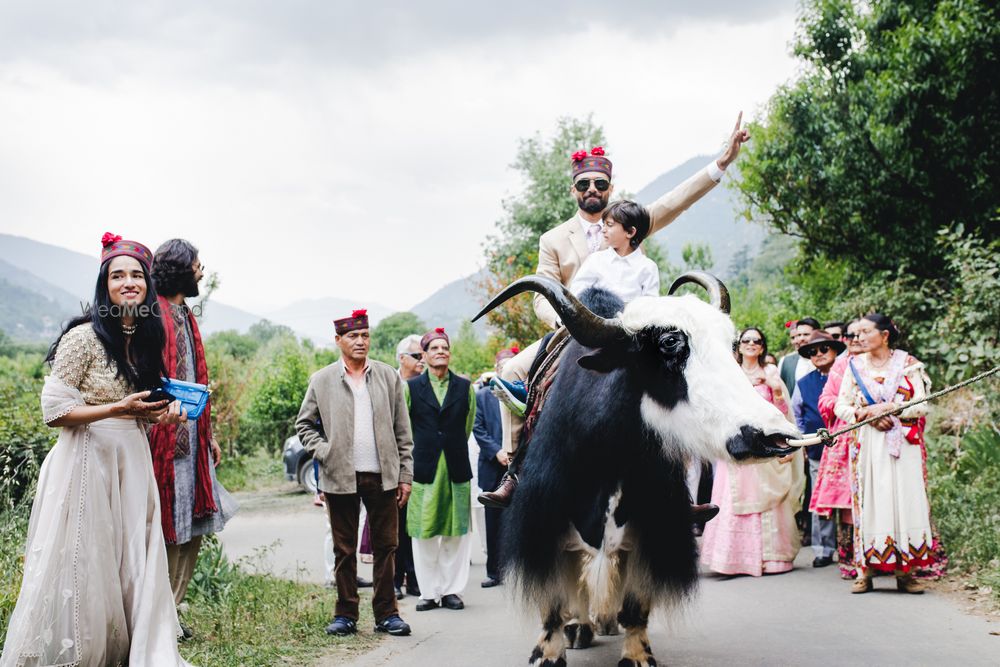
(81, 362)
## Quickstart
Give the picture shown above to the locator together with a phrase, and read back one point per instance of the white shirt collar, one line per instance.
(585, 225)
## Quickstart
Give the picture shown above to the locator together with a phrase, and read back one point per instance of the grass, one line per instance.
(963, 468)
(260, 471)
(253, 620)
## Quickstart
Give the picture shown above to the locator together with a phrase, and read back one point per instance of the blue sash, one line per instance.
(861, 384)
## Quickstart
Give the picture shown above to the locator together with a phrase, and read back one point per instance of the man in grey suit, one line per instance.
(354, 422)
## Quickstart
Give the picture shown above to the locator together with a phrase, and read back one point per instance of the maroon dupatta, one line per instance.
(163, 438)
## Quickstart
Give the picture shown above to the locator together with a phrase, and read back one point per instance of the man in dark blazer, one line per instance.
(493, 460)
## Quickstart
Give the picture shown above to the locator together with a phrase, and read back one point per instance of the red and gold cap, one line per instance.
(433, 335)
(357, 320)
(594, 161)
(113, 245)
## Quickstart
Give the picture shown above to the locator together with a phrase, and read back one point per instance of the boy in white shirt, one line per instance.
(619, 268)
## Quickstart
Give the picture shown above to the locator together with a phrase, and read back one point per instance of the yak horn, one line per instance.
(716, 290)
(587, 328)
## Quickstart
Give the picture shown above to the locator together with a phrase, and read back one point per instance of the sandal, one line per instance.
(862, 585)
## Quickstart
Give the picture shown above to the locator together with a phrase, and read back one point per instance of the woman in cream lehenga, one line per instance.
(95, 590)
(755, 532)
(892, 526)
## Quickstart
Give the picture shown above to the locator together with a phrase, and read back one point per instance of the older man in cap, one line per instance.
(563, 249)
(822, 350)
(353, 421)
(442, 410)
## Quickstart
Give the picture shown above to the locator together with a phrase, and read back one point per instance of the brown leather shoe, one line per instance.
(704, 513)
(502, 496)
(907, 584)
(862, 584)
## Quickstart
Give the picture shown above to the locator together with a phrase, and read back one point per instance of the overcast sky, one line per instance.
(318, 148)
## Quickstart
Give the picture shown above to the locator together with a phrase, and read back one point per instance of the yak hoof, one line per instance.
(538, 659)
(579, 635)
(607, 626)
(648, 661)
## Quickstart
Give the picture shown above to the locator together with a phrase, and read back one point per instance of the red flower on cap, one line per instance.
(515, 349)
(789, 323)
(439, 330)
(597, 151)
(109, 239)
(359, 313)
(579, 155)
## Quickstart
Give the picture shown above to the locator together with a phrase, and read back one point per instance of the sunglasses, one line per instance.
(835, 336)
(751, 341)
(851, 336)
(601, 184)
(416, 356)
(819, 349)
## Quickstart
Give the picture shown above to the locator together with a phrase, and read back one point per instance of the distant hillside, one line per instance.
(42, 285)
(712, 220)
(452, 305)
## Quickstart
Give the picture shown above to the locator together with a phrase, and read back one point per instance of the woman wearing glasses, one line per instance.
(832, 491)
(755, 532)
(892, 531)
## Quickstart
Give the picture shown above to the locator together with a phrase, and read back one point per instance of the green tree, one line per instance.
(891, 133)
(388, 332)
(545, 201)
(469, 355)
(275, 400)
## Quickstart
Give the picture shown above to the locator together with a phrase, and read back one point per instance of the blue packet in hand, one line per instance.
(193, 396)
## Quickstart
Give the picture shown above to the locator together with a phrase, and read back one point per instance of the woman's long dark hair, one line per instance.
(147, 341)
(763, 346)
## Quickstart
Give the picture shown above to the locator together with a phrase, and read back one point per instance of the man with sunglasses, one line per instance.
(411, 364)
(822, 350)
(562, 250)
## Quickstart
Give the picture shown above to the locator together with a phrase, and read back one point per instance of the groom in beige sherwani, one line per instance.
(563, 249)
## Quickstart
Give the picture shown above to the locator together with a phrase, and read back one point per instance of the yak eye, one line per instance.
(670, 342)
(673, 346)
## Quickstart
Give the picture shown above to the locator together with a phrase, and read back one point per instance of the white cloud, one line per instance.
(375, 180)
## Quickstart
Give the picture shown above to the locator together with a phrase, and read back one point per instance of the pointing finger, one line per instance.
(739, 119)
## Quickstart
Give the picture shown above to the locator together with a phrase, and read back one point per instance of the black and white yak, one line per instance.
(601, 522)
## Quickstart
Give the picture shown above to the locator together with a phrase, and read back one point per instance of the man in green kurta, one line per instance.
(442, 409)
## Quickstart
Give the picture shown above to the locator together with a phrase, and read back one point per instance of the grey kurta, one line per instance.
(185, 523)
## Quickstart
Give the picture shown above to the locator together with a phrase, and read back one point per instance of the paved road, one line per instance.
(805, 617)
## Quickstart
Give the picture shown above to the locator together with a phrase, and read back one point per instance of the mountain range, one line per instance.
(41, 285)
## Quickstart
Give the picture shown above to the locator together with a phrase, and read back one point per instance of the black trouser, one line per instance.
(404, 556)
(494, 520)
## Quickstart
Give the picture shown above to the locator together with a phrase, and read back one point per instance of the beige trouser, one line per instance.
(181, 559)
(515, 368)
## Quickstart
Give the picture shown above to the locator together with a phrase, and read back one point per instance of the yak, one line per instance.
(601, 522)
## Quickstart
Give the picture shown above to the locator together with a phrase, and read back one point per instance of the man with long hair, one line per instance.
(192, 502)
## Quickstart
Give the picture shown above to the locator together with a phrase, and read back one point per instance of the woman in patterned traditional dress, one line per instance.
(832, 494)
(755, 532)
(95, 590)
(892, 531)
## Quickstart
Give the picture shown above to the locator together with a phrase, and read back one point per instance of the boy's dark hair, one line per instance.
(172, 272)
(809, 322)
(836, 323)
(630, 215)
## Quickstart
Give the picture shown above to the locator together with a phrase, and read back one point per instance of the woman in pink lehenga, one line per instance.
(755, 532)
(833, 483)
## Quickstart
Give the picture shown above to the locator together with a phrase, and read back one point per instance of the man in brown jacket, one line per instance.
(355, 423)
(563, 249)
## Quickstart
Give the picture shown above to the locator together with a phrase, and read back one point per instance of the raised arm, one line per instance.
(665, 210)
